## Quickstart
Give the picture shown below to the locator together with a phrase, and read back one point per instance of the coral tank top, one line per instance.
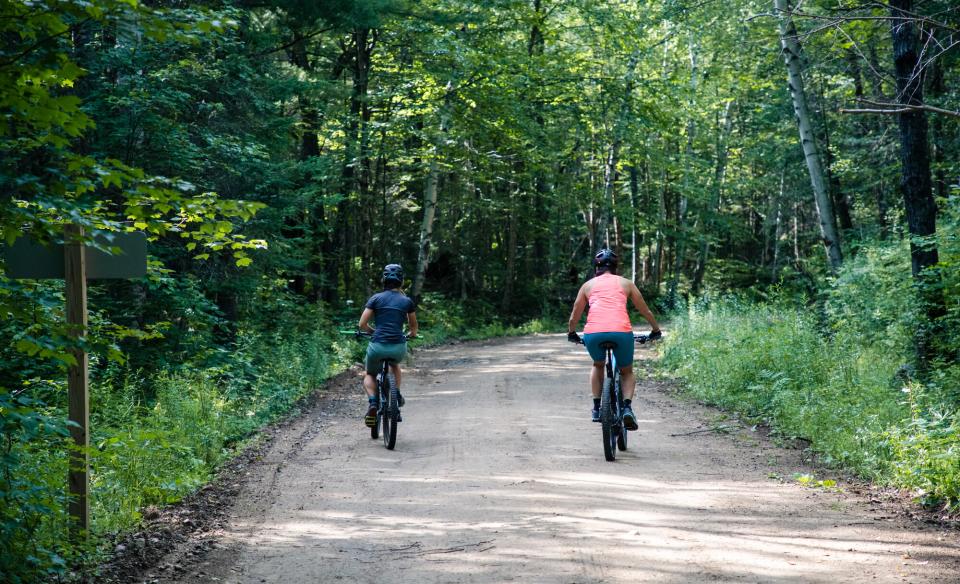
(608, 306)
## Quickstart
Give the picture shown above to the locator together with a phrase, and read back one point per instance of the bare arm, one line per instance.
(412, 324)
(365, 320)
(579, 305)
(640, 304)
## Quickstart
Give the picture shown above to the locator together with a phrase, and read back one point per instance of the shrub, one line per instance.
(33, 500)
(842, 388)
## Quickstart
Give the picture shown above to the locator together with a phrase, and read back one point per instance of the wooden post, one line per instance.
(75, 270)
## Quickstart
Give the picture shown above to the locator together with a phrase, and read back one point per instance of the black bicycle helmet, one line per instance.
(605, 258)
(393, 273)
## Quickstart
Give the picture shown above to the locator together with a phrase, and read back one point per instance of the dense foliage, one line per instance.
(838, 374)
(278, 153)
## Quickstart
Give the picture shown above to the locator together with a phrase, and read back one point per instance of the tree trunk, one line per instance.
(535, 50)
(634, 192)
(313, 222)
(938, 88)
(724, 127)
(430, 201)
(882, 210)
(915, 180)
(778, 220)
(613, 154)
(511, 252)
(657, 268)
(684, 198)
(355, 155)
(841, 202)
(791, 55)
(464, 243)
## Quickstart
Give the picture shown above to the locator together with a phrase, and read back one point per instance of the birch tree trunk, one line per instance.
(430, 200)
(791, 55)
(777, 232)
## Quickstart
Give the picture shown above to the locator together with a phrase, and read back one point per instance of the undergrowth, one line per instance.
(837, 373)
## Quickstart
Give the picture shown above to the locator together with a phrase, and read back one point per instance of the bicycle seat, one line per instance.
(608, 345)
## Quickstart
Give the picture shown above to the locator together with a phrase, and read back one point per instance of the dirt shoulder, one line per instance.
(499, 475)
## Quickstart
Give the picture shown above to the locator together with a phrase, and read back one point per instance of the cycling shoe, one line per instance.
(370, 419)
(629, 419)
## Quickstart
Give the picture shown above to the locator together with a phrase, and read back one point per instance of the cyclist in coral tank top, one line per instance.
(607, 320)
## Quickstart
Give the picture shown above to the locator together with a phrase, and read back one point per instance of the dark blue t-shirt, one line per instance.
(390, 309)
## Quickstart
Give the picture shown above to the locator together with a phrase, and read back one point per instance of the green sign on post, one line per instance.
(75, 263)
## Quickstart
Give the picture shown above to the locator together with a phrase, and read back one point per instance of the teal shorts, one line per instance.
(622, 353)
(378, 352)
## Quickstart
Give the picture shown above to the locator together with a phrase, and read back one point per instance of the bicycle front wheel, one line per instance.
(608, 420)
(375, 429)
(390, 412)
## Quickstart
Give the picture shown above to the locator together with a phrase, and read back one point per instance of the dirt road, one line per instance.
(499, 476)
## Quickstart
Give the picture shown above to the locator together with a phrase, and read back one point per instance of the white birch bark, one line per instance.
(430, 202)
(791, 56)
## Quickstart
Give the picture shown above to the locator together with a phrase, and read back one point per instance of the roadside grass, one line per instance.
(832, 382)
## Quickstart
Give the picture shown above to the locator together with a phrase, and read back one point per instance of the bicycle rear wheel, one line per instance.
(621, 428)
(608, 420)
(390, 412)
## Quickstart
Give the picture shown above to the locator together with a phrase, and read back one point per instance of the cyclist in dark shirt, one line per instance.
(390, 309)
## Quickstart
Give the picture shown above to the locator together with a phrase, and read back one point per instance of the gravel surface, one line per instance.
(499, 476)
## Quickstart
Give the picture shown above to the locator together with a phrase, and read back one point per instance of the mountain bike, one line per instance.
(611, 402)
(388, 402)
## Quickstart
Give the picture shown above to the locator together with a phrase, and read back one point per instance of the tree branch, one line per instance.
(897, 108)
(902, 110)
(70, 29)
(297, 39)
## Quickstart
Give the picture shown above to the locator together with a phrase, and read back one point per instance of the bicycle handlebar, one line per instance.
(366, 335)
(637, 338)
(647, 338)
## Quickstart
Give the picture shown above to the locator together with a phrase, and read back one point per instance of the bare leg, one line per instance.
(596, 378)
(628, 382)
(396, 374)
(370, 384)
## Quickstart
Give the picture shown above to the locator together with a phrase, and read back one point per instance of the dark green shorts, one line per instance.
(377, 352)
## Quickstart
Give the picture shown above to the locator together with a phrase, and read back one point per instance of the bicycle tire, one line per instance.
(622, 433)
(608, 420)
(390, 413)
(375, 429)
